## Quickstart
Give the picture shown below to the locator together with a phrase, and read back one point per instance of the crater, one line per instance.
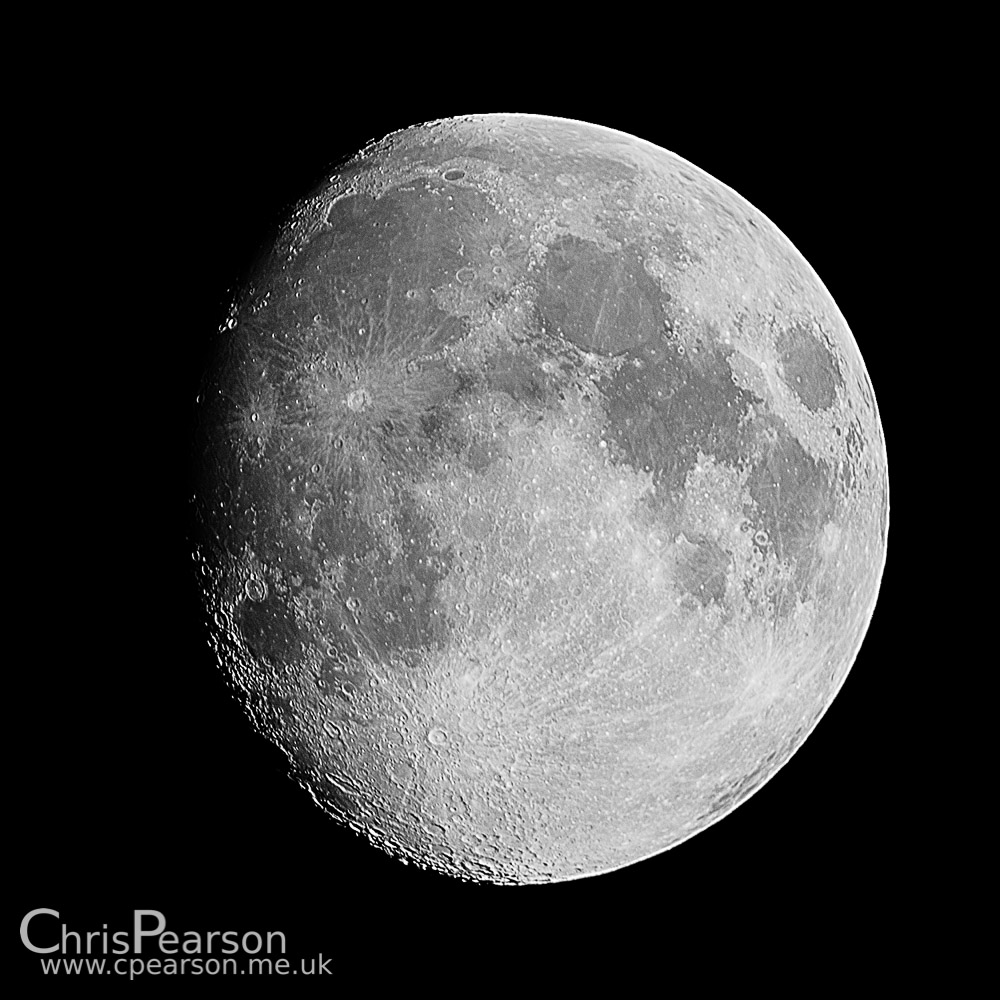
(358, 400)
(809, 369)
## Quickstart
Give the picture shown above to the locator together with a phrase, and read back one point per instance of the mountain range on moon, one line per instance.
(544, 498)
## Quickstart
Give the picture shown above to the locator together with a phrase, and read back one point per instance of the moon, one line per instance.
(543, 498)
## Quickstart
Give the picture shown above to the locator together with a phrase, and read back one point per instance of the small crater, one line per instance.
(358, 400)
(453, 174)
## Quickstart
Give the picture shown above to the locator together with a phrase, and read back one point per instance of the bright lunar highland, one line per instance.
(543, 497)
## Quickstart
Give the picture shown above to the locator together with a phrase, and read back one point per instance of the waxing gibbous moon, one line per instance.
(543, 497)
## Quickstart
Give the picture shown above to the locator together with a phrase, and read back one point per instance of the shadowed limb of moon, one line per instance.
(544, 501)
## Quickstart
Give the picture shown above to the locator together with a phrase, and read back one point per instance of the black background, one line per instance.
(138, 783)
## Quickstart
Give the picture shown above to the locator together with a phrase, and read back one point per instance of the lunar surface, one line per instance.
(543, 498)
